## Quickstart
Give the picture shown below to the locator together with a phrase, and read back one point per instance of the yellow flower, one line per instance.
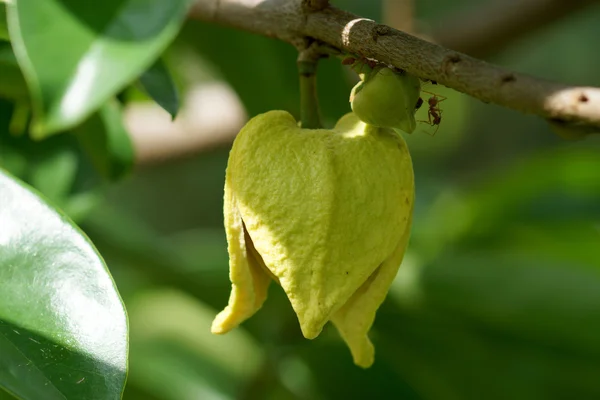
(324, 213)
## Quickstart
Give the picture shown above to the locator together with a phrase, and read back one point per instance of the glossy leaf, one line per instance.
(75, 57)
(107, 142)
(63, 328)
(159, 85)
(53, 171)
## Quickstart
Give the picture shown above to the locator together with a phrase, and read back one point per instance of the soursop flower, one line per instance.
(324, 213)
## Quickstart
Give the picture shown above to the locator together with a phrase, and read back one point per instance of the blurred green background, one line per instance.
(499, 293)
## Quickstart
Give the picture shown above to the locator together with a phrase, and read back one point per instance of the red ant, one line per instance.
(434, 114)
(352, 61)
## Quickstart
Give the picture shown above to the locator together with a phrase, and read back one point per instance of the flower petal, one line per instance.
(355, 318)
(249, 278)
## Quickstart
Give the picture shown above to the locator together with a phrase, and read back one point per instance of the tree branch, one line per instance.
(489, 28)
(316, 5)
(573, 107)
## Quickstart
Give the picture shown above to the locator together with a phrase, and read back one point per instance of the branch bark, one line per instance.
(571, 106)
(494, 25)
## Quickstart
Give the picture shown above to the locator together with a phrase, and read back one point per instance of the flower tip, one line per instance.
(217, 330)
(310, 331)
(311, 326)
(367, 363)
(361, 348)
(222, 324)
(365, 358)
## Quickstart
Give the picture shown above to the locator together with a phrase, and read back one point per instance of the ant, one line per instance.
(419, 104)
(434, 114)
(349, 61)
(357, 63)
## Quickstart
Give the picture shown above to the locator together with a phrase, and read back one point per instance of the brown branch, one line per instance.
(478, 32)
(494, 25)
(316, 5)
(575, 107)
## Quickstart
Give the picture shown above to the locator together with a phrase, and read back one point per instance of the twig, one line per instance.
(308, 59)
(309, 104)
(287, 20)
(491, 27)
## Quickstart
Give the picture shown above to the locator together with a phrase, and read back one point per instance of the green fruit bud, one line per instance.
(387, 99)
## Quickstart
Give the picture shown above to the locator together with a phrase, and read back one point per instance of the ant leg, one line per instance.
(438, 96)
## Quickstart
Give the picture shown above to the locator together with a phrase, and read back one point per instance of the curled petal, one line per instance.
(355, 318)
(249, 278)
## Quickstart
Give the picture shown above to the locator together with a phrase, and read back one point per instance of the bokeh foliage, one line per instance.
(498, 297)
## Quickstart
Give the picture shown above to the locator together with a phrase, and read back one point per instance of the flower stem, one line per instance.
(309, 104)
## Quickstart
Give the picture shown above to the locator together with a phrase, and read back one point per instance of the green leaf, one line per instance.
(75, 56)
(63, 328)
(53, 171)
(159, 85)
(57, 166)
(107, 142)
